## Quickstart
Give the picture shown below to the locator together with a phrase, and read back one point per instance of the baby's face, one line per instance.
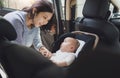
(67, 44)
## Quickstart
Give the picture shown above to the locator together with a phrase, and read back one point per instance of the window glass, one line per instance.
(79, 8)
(63, 8)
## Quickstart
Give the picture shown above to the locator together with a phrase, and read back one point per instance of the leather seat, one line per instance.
(95, 20)
(90, 40)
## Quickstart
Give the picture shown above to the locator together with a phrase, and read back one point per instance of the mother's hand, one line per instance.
(45, 52)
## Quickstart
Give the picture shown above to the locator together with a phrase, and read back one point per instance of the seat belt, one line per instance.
(2, 72)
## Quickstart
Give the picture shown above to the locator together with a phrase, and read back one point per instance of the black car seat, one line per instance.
(22, 62)
(95, 20)
(90, 39)
(90, 44)
(116, 22)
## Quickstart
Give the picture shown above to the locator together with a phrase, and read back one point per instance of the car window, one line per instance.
(79, 7)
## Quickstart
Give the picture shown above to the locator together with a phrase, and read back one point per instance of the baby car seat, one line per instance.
(90, 42)
(89, 39)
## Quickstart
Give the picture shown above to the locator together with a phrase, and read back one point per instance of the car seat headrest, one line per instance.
(7, 30)
(96, 9)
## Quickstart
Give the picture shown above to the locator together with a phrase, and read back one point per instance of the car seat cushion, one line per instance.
(82, 43)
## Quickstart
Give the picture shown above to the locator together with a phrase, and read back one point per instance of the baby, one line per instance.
(65, 55)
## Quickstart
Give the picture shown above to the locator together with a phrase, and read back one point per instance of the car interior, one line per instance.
(98, 29)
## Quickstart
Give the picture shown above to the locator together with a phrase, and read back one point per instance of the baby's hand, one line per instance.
(46, 54)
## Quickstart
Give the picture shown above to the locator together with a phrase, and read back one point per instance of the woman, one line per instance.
(27, 23)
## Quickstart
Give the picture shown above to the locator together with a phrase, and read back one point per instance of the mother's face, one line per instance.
(42, 18)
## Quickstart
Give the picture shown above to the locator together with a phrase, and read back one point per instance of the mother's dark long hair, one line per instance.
(51, 22)
(41, 6)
